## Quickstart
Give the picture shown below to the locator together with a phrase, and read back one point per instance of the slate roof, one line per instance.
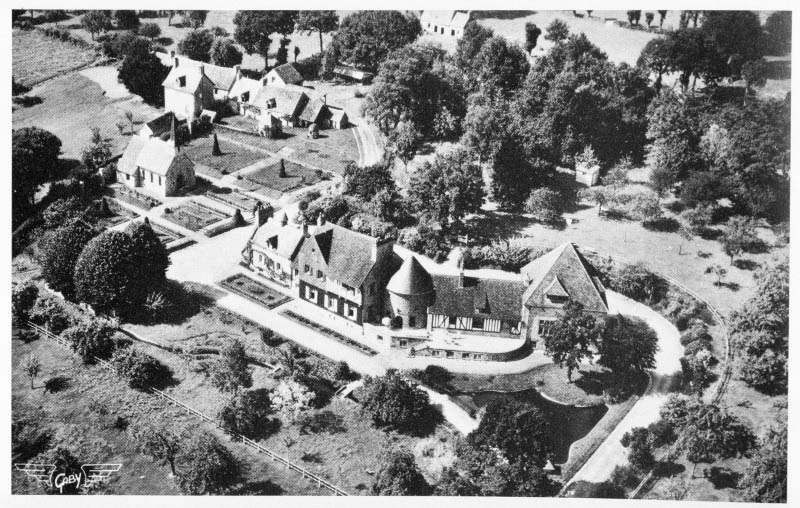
(313, 110)
(285, 241)
(347, 254)
(288, 74)
(162, 123)
(563, 272)
(491, 298)
(411, 279)
(192, 81)
(337, 114)
(151, 154)
(223, 78)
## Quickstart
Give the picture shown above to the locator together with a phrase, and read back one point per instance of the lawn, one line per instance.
(36, 57)
(193, 216)
(296, 176)
(332, 151)
(254, 290)
(72, 104)
(234, 156)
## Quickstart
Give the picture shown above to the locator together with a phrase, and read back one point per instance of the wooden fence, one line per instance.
(321, 482)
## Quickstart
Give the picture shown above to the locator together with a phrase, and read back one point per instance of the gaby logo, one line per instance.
(47, 474)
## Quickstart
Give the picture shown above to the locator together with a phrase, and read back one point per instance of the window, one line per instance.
(333, 303)
(403, 343)
(452, 32)
(127, 177)
(557, 299)
(279, 266)
(182, 81)
(151, 177)
(159, 180)
(307, 270)
(320, 275)
(311, 293)
(350, 290)
(351, 311)
(477, 323)
(412, 321)
(546, 327)
(451, 321)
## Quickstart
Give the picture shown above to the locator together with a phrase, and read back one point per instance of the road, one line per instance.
(369, 149)
(611, 453)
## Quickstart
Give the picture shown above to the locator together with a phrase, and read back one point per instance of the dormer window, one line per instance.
(557, 299)
(556, 293)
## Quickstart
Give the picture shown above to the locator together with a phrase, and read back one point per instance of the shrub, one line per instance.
(393, 402)
(692, 348)
(140, 369)
(50, 311)
(545, 205)
(23, 297)
(662, 433)
(698, 331)
(634, 281)
(342, 372)
(291, 397)
(90, 338)
(231, 370)
(247, 413)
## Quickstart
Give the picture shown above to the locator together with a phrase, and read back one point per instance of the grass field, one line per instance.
(72, 105)
(234, 156)
(297, 176)
(36, 57)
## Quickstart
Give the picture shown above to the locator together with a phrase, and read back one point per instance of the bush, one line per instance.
(634, 281)
(692, 348)
(247, 413)
(393, 402)
(662, 433)
(510, 255)
(698, 331)
(23, 297)
(140, 369)
(49, 311)
(92, 337)
(342, 372)
(545, 205)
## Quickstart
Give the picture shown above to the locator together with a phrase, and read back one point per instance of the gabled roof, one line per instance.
(162, 123)
(222, 78)
(184, 78)
(151, 154)
(411, 279)
(288, 101)
(244, 85)
(284, 240)
(347, 254)
(563, 272)
(313, 110)
(288, 74)
(490, 298)
(337, 113)
(453, 19)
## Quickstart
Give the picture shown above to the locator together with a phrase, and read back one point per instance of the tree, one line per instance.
(514, 174)
(143, 74)
(738, 236)
(317, 21)
(197, 45)
(719, 272)
(406, 142)
(98, 152)
(95, 22)
(206, 466)
(500, 66)
(754, 73)
(517, 430)
(32, 368)
(159, 439)
(231, 370)
(656, 57)
(393, 402)
(448, 188)
(399, 476)
(34, 161)
(634, 17)
(469, 45)
(291, 397)
(634, 281)
(23, 296)
(627, 346)
(532, 33)
(485, 127)
(59, 252)
(253, 30)
(765, 479)
(126, 20)
(571, 337)
(246, 413)
(557, 31)
(150, 30)
(639, 443)
(195, 18)
(545, 204)
(365, 38)
(648, 17)
(735, 35)
(141, 370)
(367, 181)
(223, 52)
(150, 260)
(661, 16)
(103, 272)
(711, 433)
(778, 33)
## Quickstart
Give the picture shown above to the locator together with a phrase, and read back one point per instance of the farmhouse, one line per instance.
(449, 23)
(286, 103)
(283, 75)
(154, 166)
(273, 248)
(222, 78)
(188, 91)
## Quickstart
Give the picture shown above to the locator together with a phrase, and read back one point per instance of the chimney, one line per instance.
(325, 99)
(237, 69)
(284, 219)
(261, 214)
(321, 219)
(202, 70)
(461, 274)
(305, 228)
(175, 59)
(173, 133)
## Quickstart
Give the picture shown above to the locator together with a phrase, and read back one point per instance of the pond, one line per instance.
(567, 423)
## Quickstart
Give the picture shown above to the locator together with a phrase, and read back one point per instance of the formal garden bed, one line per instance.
(110, 213)
(133, 197)
(332, 333)
(293, 176)
(254, 290)
(193, 215)
(225, 195)
(233, 156)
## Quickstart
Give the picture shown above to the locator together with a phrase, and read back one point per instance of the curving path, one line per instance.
(611, 453)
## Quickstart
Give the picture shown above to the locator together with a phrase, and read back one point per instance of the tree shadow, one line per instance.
(746, 264)
(666, 469)
(185, 301)
(164, 41)
(757, 246)
(723, 477)
(258, 488)
(663, 225)
(56, 384)
(322, 422)
(489, 226)
(312, 457)
(733, 286)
